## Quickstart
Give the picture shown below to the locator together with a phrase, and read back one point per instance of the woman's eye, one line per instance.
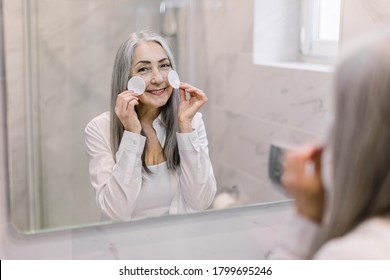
(165, 65)
(142, 69)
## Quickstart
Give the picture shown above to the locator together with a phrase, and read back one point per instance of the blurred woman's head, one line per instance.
(361, 137)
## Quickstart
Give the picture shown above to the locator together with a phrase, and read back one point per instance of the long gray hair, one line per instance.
(360, 139)
(120, 76)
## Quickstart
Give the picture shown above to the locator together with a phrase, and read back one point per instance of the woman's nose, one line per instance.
(157, 77)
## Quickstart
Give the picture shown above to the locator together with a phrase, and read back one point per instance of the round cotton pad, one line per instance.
(137, 84)
(173, 79)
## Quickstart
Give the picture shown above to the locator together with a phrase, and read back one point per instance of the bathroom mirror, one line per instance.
(59, 57)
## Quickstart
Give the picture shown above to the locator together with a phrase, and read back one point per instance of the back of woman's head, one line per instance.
(361, 137)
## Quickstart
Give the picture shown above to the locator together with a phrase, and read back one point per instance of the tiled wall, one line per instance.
(253, 105)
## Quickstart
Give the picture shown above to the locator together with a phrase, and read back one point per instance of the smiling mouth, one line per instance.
(157, 92)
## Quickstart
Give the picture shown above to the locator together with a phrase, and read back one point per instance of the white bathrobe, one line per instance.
(118, 184)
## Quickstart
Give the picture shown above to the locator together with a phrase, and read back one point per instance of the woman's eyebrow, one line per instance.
(143, 62)
(149, 62)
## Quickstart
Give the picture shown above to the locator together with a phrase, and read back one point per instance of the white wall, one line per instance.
(252, 105)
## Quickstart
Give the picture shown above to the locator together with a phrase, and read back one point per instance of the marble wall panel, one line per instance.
(253, 105)
(364, 17)
(226, 26)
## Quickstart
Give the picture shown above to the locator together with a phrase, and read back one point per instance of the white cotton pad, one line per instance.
(137, 84)
(173, 79)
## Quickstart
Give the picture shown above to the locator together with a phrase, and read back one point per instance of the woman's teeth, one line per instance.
(157, 92)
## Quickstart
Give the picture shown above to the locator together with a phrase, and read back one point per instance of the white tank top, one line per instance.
(156, 192)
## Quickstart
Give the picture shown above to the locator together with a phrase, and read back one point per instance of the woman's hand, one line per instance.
(302, 179)
(188, 108)
(125, 110)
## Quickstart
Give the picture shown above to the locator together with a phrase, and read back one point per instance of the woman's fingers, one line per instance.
(301, 165)
(302, 179)
(124, 109)
(131, 104)
(125, 100)
(182, 93)
(197, 98)
(193, 91)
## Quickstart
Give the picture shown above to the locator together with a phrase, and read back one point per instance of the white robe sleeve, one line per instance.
(117, 184)
(196, 180)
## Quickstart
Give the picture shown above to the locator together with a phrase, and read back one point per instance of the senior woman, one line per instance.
(149, 155)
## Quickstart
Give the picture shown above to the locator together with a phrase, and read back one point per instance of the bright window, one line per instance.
(296, 33)
(320, 28)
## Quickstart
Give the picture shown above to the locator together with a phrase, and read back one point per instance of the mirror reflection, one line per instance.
(60, 62)
(148, 155)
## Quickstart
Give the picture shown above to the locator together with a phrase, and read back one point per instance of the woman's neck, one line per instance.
(147, 115)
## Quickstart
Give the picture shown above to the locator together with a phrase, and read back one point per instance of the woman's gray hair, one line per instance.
(120, 76)
(360, 139)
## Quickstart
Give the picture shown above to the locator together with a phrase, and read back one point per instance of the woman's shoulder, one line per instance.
(101, 121)
(369, 240)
